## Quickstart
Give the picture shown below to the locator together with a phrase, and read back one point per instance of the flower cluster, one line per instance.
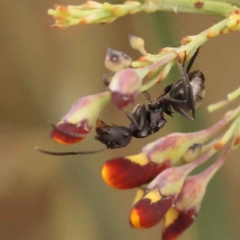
(123, 83)
(166, 192)
(161, 170)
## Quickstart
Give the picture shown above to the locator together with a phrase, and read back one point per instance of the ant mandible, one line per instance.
(184, 96)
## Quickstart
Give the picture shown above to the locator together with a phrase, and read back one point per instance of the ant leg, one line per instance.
(138, 116)
(147, 96)
(165, 91)
(177, 106)
(192, 60)
(131, 115)
(187, 88)
(132, 118)
(181, 111)
(142, 114)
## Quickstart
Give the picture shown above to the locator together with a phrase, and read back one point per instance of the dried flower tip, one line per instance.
(131, 171)
(150, 210)
(78, 122)
(67, 133)
(137, 43)
(116, 61)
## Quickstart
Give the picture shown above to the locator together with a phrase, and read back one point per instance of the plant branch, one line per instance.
(93, 12)
(155, 68)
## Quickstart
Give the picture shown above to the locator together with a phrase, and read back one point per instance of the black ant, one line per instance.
(184, 96)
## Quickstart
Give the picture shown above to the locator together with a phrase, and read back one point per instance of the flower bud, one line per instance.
(116, 61)
(131, 171)
(176, 222)
(169, 148)
(170, 181)
(137, 43)
(150, 210)
(173, 147)
(189, 200)
(125, 86)
(77, 123)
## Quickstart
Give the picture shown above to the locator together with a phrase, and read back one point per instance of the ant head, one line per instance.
(113, 136)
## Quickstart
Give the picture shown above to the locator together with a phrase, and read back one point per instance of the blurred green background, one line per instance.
(43, 72)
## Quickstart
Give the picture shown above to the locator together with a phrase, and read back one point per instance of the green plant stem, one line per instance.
(94, 12)
(219, 8)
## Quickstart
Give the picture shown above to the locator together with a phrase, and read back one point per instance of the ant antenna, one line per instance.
(68, 153)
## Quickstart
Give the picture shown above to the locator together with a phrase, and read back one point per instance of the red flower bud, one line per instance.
(150, 210)
(130, 172)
